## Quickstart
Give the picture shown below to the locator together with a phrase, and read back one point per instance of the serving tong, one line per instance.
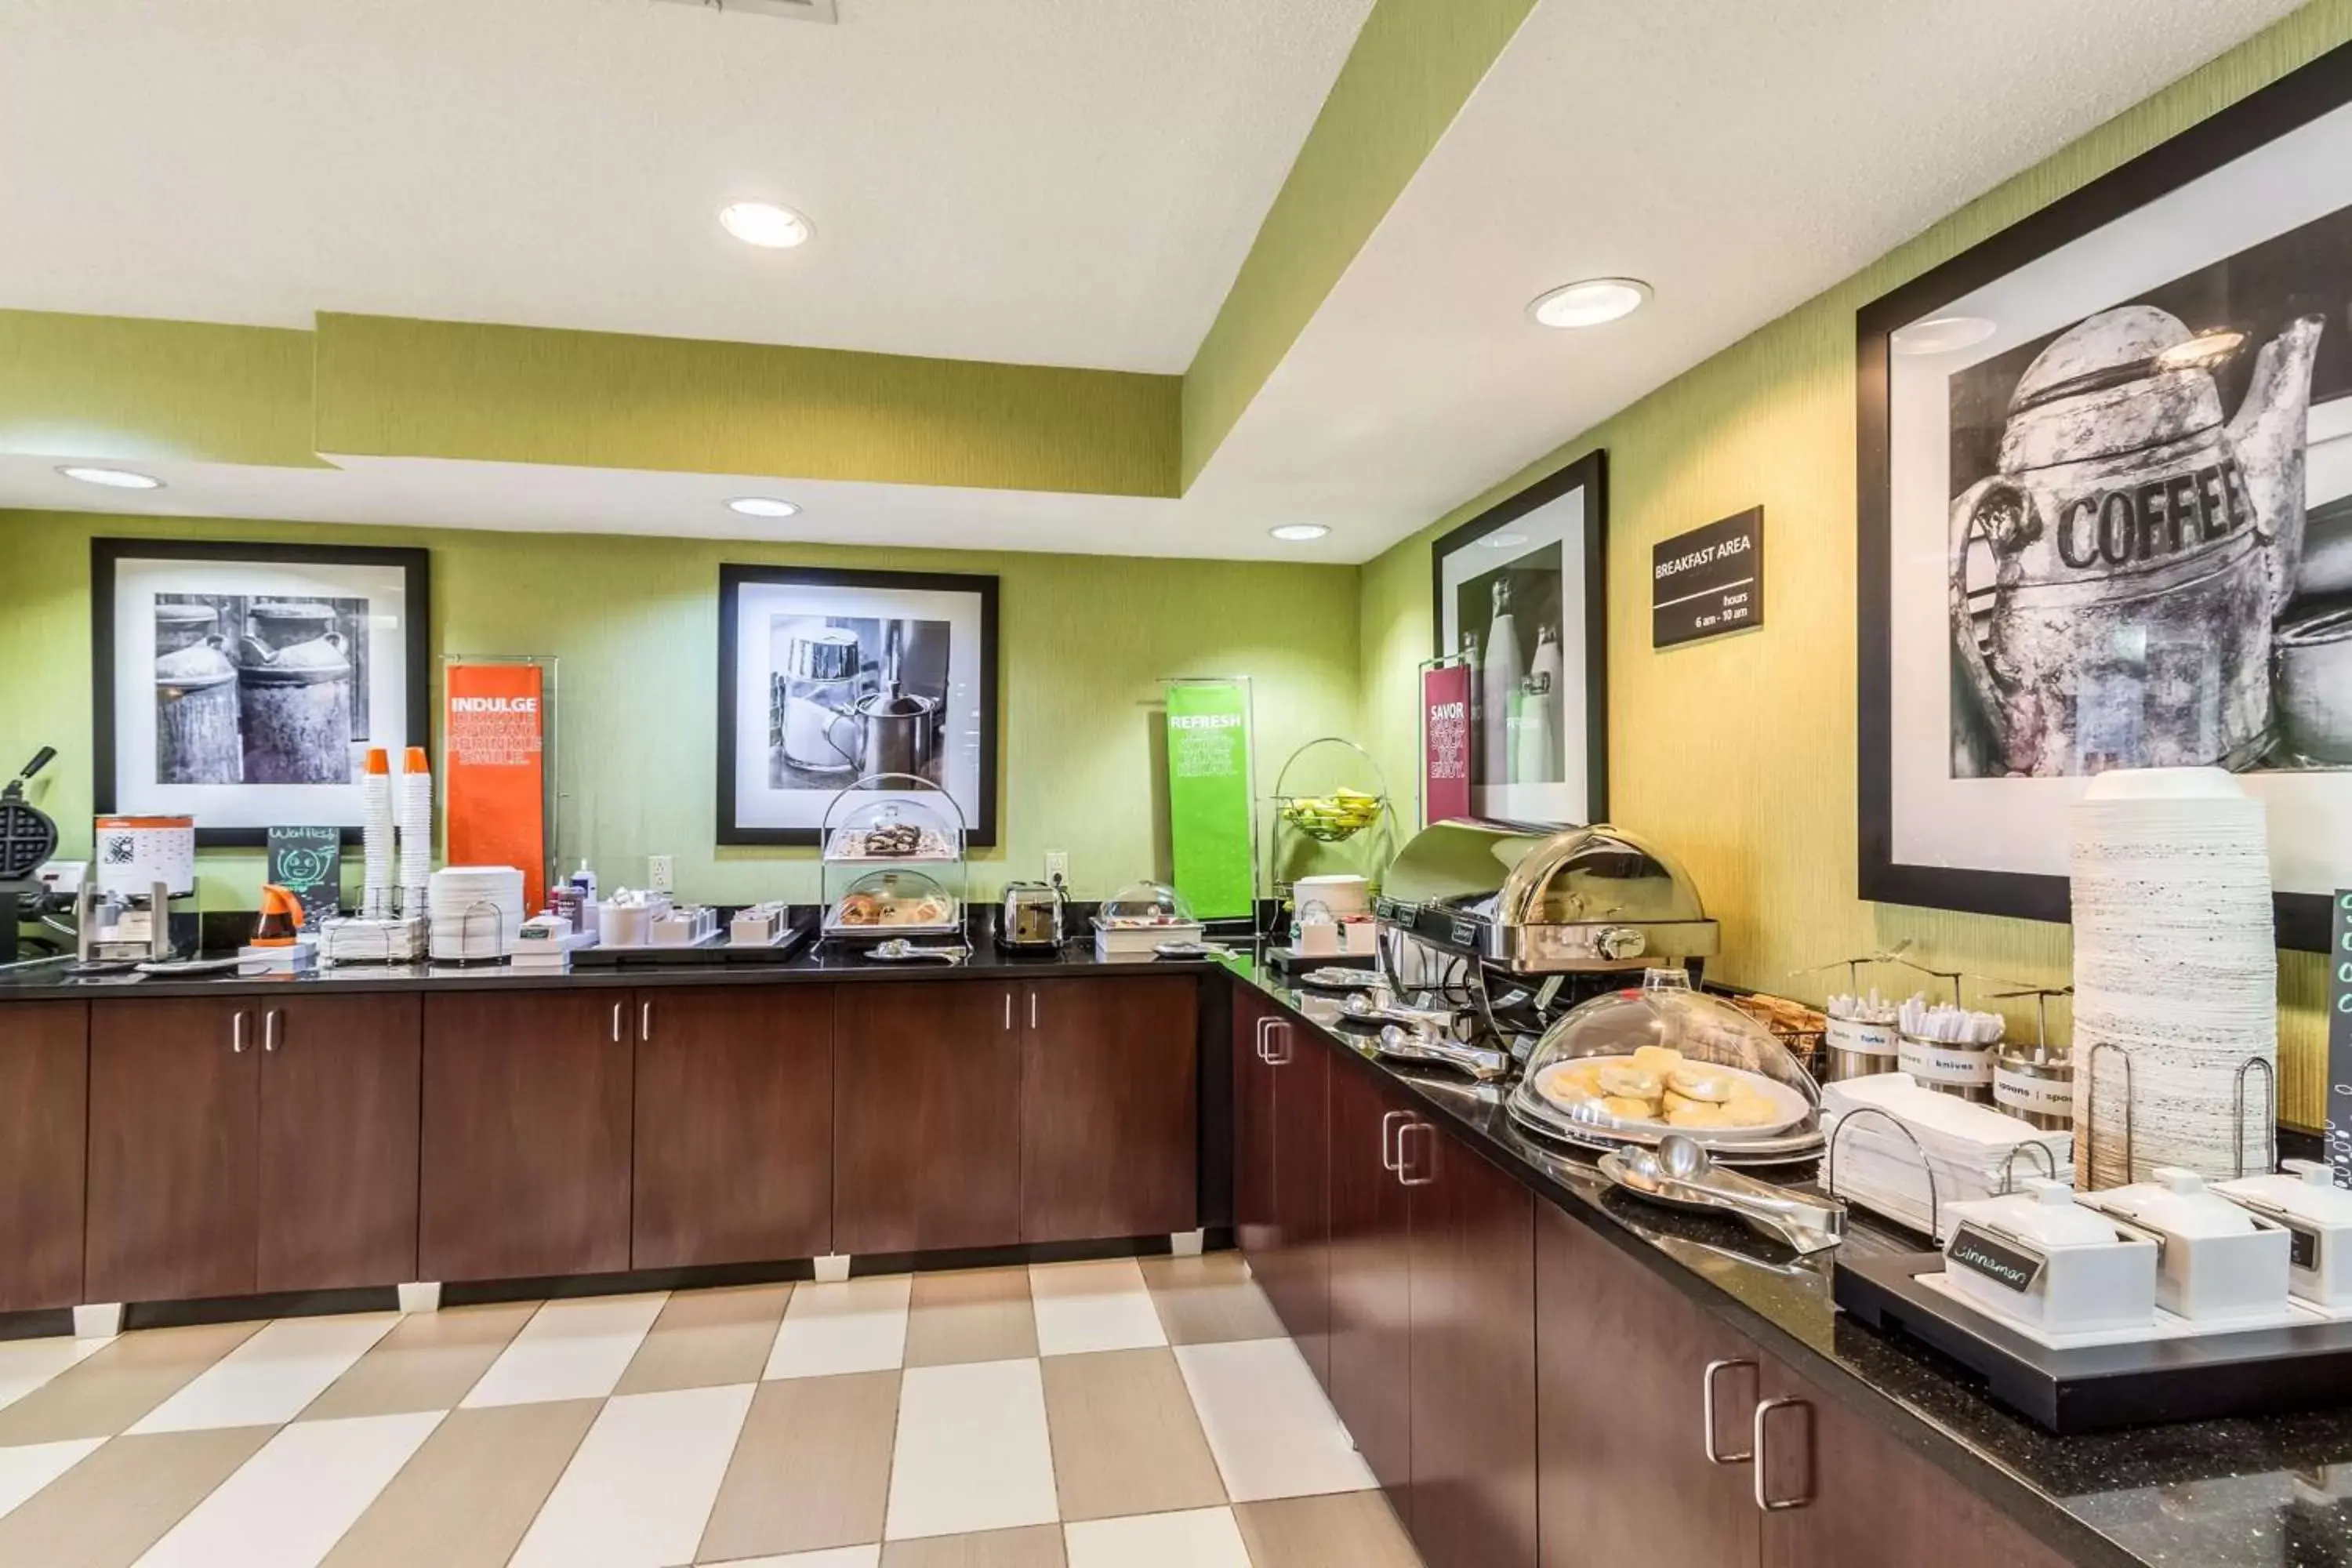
(1680, 1173)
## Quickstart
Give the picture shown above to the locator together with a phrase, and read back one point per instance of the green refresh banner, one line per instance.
(1209, 826)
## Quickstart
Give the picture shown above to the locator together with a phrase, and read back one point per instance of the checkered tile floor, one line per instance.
(1132, 1413)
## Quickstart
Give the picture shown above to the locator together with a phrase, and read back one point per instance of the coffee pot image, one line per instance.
(2113, 585)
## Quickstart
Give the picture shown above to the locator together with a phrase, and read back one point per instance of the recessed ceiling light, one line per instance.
(765, 225)
(1943, 334)
(113, 478)
(762, 506)
(1299, 532)
(1590, 302)
(1504, 541)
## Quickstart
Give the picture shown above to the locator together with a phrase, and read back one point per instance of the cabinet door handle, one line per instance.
(1008, 1012)
(616, 1023)
(1410, 1181)
(236, 1033)
(1389, 1119)
(1761, 1427)
(269, 1027)
(1278, 1027)
(645, 1020)
(1033, 1009)
(1715, 1454)
(1265, 1026)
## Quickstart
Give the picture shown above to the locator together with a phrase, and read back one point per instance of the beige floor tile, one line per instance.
(109, 1510)
(973, 1314)
(811, 1470)
(709, 1339)
(1037, 1546)
(1209, 1300)
(426, 1363)
(104, 1395)
(467, 1497)
(1344, 1530)
(1126, 1439)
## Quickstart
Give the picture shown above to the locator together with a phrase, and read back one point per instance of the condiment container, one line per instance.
(2038, 1258)
(2217, 1259)
(1949, 1067)
(2318, 1216)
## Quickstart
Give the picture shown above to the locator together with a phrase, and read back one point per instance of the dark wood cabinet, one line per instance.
(1253, 1095)
(926, 1116)
(1371, 1270)
(1293, 1264)
(1842, 1490)
(44, 1127)
(526, 1129)
(337, 1128)
(1109, 1108)
(1623, 1362)
(734, 1124)
(174, 1167)
(1473, 1494)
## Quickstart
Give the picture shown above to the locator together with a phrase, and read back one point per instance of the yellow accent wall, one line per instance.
(1412, 67)
(1739, 754)
(1084, 642)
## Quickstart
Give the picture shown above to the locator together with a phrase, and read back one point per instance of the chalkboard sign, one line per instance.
(308, 862)
(2339, 1042)
(1708, 581)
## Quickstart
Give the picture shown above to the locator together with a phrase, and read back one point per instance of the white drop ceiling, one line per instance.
(1068, 181)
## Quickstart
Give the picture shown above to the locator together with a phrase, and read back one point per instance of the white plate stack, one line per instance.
(476, 912)
(2176, 965)
(1973, 1151)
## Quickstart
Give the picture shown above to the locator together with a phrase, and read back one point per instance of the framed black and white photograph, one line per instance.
(2107, 515)
(827, 677)
(1520, 590)
(244, 685)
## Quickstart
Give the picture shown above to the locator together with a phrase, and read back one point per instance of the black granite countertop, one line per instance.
(2268, 1492)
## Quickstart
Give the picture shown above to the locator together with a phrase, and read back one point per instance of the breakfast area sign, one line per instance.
(1708, 581)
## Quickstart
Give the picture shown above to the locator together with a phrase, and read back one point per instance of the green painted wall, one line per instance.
(1740, 754)
(1412, 67)
(1084, 642)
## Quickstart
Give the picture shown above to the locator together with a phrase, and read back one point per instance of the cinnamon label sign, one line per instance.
(1708, 581)
(2004, 1262)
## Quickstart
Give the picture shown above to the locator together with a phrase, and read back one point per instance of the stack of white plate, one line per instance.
(477, 912)
(2176, 965)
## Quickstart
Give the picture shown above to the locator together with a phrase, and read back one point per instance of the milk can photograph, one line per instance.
(247, 682)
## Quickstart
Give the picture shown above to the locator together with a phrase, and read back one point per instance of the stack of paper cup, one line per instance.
(2175, 967)
(415, 815)
(375, 836)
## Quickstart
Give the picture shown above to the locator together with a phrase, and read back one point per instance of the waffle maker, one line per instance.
(27, 839)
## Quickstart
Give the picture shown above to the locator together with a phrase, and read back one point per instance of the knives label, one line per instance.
(2000, 1260)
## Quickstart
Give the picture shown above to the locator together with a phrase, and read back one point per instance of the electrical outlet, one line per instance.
(1057, 865)
(661, 873)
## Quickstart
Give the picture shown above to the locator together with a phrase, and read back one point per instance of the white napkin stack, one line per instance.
(1973, 1150)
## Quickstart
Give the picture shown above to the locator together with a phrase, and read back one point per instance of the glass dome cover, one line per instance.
(895, 825)
(1140, 904)
(1637, 1064)
(893, 901)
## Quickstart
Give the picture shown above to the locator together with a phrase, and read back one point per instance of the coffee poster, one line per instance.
(2107, 518)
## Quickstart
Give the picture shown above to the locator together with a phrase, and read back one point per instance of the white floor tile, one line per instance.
(1103, 1306)
(1202, 1538)
(569, 1350)
(268, 1380)
(972, 1451)
(294, 1500)
(857, 1325)
(1272, 1431)
(25, 1470)
(25, 1364)
(639, 1491)
(839, 1557)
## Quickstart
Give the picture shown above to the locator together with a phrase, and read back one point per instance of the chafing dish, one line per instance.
(1545, 900)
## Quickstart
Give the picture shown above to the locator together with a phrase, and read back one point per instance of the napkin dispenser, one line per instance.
(2317, 1214)
(2038, 1258)
(2217, 1260)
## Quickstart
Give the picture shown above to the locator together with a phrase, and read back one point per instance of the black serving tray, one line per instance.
(2098, 1388)
(783, 950)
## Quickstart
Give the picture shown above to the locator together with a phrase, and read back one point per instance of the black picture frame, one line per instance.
(2317, 89)
(1591, 474)
(980, 832)
(105, 554)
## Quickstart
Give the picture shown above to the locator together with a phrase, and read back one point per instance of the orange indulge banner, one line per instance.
(494, 729)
